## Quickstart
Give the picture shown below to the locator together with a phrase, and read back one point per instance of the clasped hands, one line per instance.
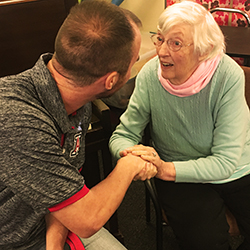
(150, 156)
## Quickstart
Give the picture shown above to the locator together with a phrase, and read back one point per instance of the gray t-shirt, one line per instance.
(41, 152)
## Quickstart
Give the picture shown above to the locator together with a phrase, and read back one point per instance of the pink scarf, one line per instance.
(196, 82)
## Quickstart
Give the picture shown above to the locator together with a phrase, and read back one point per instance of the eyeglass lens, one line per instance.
(158, 40)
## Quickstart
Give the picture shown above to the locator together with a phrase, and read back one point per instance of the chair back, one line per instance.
(238, 16)
(247, 84)
(235, 11)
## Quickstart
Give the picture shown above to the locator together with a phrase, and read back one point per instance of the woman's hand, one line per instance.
(146, 153)
(148, 172)
(165, 170)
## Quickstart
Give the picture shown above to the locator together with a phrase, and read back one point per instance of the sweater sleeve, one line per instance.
(134, 120)
(230, 116)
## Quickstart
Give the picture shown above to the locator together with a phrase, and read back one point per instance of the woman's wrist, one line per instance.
(166, 171)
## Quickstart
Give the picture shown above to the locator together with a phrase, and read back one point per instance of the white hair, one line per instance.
(207, 35)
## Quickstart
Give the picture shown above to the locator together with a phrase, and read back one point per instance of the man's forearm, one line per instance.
(88, 214)
(56, 234)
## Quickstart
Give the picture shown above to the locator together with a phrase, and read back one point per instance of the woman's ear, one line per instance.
(111, 80)
(203, 57)
(206, 54)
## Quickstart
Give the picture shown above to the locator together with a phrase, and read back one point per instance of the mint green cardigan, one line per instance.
(205, 135)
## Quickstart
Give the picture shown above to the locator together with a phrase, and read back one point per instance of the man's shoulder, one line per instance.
(20, 94)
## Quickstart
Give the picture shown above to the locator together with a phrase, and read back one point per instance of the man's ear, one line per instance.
(111, 80)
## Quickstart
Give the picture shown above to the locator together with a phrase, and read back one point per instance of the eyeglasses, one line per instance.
(173, 45)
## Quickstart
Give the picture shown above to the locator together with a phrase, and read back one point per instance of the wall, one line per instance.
(147, 10)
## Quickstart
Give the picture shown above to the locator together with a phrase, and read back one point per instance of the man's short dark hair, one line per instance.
(96, 38)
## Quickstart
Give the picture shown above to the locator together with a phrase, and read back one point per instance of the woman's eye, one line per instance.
(159, 39)
(177, 43)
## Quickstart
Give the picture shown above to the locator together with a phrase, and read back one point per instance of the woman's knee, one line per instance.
(198, 237)
(198, 219)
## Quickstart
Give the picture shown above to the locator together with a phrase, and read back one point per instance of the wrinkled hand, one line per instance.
(140, 168)
(148, 172)
(165, 170)
(146, 153)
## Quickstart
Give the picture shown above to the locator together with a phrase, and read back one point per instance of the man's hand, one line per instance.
(148, 172)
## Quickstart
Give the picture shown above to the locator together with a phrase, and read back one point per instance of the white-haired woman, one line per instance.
(192, 95)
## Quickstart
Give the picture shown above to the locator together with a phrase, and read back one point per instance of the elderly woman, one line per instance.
(192, 95)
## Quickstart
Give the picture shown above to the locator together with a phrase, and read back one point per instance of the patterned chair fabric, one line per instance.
(223, 18)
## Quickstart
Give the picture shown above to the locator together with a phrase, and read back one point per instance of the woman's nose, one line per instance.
(163, 50)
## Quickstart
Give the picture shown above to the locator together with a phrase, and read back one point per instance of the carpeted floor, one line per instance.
(138, 234)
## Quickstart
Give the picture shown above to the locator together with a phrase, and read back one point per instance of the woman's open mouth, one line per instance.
(167, 64)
